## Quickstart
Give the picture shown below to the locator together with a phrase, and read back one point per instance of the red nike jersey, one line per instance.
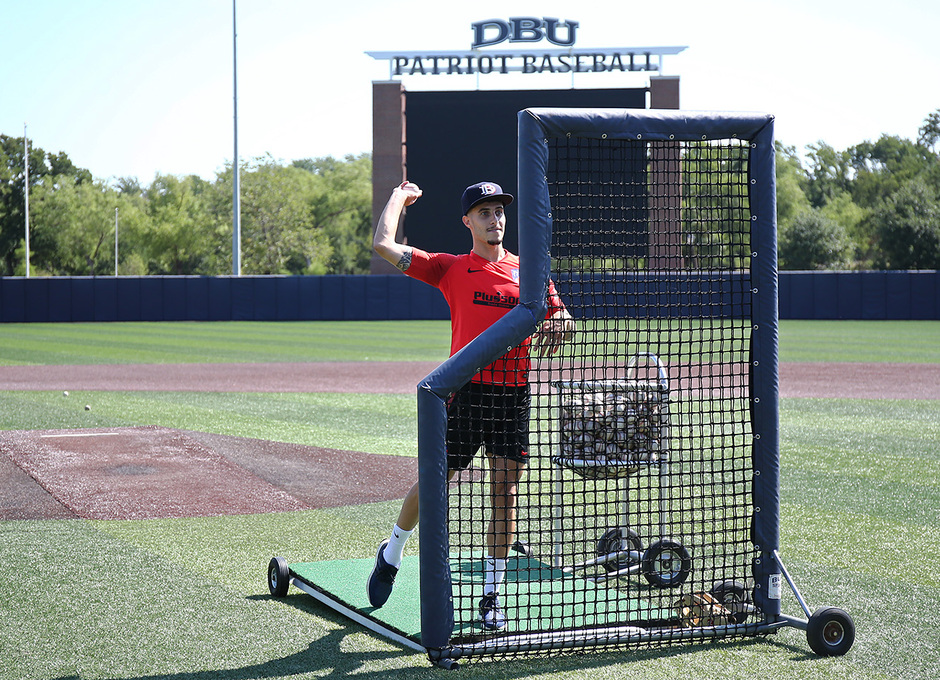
(479, 292)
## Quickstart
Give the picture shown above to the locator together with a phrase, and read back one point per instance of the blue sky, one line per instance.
(140, 87)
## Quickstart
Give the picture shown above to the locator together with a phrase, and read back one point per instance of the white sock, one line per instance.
(494, 573)
(396, 545)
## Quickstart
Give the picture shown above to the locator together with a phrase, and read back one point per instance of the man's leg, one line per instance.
(505, 475)
(389, 556)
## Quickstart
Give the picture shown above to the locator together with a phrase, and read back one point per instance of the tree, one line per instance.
(278, 233)
(73, 228)
(842, 210)
(882, 167)
(342, 207)
(829, 173)
(791, 178)
(184, 237)
(717, 227)
(44, 170)
(929, 133)
(813, 241)
(908, 228)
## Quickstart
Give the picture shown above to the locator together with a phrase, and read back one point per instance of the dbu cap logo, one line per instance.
(483, 191)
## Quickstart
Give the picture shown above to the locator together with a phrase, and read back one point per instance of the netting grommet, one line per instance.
(603, 135)
(639, 136)
(672, 136)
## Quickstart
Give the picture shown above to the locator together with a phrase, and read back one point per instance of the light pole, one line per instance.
(236, 188)
(26, 191)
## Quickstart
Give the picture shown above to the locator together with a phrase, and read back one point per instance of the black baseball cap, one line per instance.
(483, 191)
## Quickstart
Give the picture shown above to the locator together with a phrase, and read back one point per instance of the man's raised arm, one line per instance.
(384, 242)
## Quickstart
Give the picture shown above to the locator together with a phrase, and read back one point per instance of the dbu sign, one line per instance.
(524, 29)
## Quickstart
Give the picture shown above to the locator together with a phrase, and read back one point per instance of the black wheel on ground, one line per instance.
(666, 564)
(618, 540)
(278, 576)
(830, 631)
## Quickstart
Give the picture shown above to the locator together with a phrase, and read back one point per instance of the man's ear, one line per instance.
(466, 221)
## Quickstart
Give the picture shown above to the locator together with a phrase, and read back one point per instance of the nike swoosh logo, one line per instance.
(474, 271)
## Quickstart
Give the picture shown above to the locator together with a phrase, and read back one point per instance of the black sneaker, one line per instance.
(381, 579)
(491, 614)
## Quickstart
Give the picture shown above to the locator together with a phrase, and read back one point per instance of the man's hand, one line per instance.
(411, 191)
(553, 333)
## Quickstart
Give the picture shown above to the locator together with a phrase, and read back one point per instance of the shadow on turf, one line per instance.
(327, 652)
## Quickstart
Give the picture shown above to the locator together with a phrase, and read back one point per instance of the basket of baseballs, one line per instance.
(612, 429)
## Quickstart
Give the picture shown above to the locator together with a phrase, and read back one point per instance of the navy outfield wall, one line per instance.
(802, 295)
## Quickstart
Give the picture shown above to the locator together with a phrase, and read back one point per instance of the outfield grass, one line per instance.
(253, 342)
(185, 599)
(223, 342)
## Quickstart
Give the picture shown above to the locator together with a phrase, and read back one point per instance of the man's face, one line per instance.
(487, 222)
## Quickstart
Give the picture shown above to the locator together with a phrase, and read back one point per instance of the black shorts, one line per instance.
(494, 416)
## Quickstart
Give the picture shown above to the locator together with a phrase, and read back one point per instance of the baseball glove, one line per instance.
(702, 609)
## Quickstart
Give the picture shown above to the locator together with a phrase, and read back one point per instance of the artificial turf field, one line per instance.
(186, 598)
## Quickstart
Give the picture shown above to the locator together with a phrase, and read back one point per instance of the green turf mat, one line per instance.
(547, 594)
(345, 581)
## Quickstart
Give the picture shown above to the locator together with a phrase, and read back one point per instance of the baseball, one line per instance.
(66, 393)
(87, 407)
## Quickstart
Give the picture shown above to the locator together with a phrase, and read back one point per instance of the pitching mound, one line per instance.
(151, 472)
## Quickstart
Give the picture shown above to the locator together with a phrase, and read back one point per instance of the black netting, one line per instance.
(635, 506)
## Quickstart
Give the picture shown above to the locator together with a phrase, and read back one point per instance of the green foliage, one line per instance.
(311, 217)
(829, 174)
(73, 228)
(717, 229)
(812, 241)
(342, 208)
(882, 167)
(44, 170)
(908, 228)
(791, 183)
(842, 210)
(183, 236)
(278, 235)
(872, 205)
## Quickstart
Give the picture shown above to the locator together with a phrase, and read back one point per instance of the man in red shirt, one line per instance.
(493, 409)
